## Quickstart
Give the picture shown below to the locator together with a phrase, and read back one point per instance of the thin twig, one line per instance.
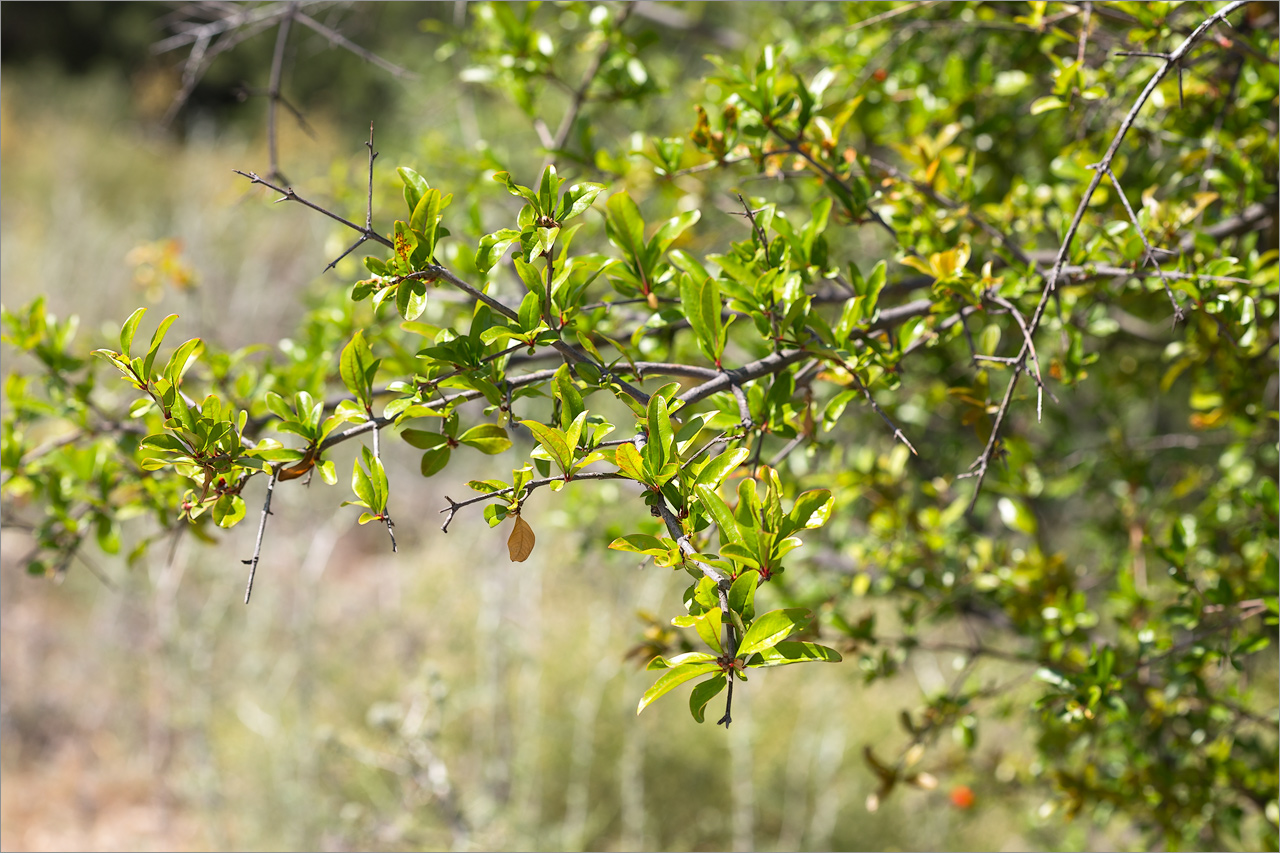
(980, 466)
(1084, 32)
(883, 16)
(289, 195)
(1028, 343)
(580, 94)
(744, 408)
(755, 226)
(273, 91)
(787, 450)
(795, 147)
(454, 506)
(338, 39)
(262, 527)
(927, 190)
(866, 392)
(1150, 257)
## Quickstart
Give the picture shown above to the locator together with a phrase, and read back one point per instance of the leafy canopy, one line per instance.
(990, 328)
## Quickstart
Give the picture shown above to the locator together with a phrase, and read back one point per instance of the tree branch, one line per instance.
(980, 466)
(262, 527)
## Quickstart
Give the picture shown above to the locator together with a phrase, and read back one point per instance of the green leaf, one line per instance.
(156, 340)
(675, 660)
(434, 460)
(515, 189)
(424, 218)
(378, 479)
(165, 441)
(748, 510)
(740, 553)
(661, 436)
(640, 543)
(742, 595)
(127, 331)
(570, 397)
(708, 626)
(629, 462)
(530, 314)
(490, 439)
(704, 693)
(411, 298)
(1045, 104)
(669, 231)
(719, 512)
(554, 441)
(228, 510)
(714, 472)
(691, 305)
(548, 190)
(812, 509)
(181, 360)
(577, 199)
(361, 485)
(574, 432)
(415, 186)
(357, 368)
(493, 247)
(625, 228)
(771, 629)
(673, 678)
(785, 653)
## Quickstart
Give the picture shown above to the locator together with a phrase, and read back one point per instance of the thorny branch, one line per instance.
(273, 91)
(1149, 256)
(980, 466)
(556, 143)
(386, 511)
(730, 638)
(454, 506)
(257, 547)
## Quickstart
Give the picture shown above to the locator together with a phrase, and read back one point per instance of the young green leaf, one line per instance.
(742, 595)
(771, 629)
(630, 463)
(415, 186)
(493, 247)
(434, 460)
(708, 627)
(703, 693)
(812, 509)
(641, 543)
(714, 472)
(357, 367)
(788, 652)
(490, 439)
(661, 437)
(554, 441)
(128, 329)
(673, 678)
(719, 512)
(156, 340)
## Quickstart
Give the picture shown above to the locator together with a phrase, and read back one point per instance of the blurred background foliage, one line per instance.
(445, 697)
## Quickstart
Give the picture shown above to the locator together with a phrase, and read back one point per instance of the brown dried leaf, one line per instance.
(520, 542)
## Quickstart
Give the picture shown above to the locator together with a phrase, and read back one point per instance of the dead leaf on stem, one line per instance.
(520, 542)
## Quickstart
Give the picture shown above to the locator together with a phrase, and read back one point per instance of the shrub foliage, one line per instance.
(977, 304)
